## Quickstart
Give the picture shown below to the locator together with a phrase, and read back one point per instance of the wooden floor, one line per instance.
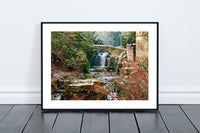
(169, 118)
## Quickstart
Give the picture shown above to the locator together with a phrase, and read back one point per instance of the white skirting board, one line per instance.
(166, 96)
(28, 97)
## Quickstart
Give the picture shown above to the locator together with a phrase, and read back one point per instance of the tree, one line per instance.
(127, 38)
(72, 50)
(116, 38)
(131, 37)
(98, 42)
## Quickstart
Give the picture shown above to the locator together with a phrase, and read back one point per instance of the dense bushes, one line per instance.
(73, 50)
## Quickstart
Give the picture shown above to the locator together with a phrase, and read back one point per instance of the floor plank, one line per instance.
(193, 112)
(122, 122)
(30, 119)
(175, 119)
(4, 110)
(95, 122)
(68, 122)
(150, 122)
(40, 122)
(17, 118)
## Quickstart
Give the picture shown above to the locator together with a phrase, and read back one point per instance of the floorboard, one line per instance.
(68, 122)
(122, 122)
(150, 122)
(4, 110)
(169, 118)
(40, 122)
(193, 112)
(16, 119)
(175, 119)
(95, 122)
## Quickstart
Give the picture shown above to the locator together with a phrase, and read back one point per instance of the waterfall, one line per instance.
(99, 59)
(103, 59)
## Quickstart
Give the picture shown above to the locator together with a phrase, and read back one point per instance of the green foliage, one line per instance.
(70, 78)
(144, 64)
(131, 37)
(73, 50)
(113, 65)
(98, 42)
(120, 91)
(113, 48)
(128, 38)
(52, 97)
(70, 63)
(123, 41)
(85, 75)
(116, 38)
(124, 54)
(85, 66)
(89, 51)
(88, 39)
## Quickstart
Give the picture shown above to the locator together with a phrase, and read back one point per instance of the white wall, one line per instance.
(20, 41)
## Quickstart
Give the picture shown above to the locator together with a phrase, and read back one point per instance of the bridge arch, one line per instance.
(110, 49)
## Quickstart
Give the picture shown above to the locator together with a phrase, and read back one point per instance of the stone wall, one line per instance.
(131, 52)
(110, 49)
(141, 43)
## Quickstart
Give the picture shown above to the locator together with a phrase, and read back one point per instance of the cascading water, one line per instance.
(99, 59)
(99, 62)
(103, 59)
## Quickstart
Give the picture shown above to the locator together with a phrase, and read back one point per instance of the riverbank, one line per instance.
(130, 83)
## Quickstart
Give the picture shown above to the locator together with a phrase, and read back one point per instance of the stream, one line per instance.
(98, 68)
(100, 62)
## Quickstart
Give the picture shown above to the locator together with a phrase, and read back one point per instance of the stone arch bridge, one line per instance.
(110, 49)
(138, 49)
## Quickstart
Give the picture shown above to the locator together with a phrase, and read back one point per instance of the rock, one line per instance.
(81, 84)
(60, 91)
(108, 61)
(100, 69)
(81, 87)
(99, 82)
(92, 70)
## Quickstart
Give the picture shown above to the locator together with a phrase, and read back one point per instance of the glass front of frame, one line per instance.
(99, 65)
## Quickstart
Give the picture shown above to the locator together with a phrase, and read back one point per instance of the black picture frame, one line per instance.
(102, 109)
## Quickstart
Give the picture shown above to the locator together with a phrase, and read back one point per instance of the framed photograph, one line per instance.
(99, 65)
